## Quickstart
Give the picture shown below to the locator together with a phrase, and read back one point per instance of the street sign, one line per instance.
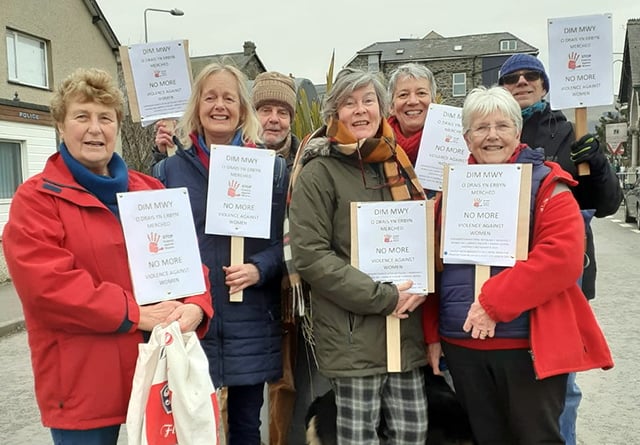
(615, 135)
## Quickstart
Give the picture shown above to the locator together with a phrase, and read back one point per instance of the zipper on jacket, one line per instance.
(352, 322)
(278, 171)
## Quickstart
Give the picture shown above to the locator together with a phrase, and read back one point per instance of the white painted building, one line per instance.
(37, 52)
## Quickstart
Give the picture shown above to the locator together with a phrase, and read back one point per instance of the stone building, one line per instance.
(458, 63)
(629, 93)
(246, 61)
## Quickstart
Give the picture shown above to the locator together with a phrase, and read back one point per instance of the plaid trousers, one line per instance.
(386, 408)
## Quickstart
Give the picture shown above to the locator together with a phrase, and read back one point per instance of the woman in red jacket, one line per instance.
(509, 351)
(66, 255)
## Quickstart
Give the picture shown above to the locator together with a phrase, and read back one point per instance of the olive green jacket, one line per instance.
(348, 307)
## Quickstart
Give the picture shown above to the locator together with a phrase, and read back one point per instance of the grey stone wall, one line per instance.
(359, 63)
(443, 71)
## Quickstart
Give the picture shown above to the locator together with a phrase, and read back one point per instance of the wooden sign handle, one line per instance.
(394, 362)
(581, 130)
(237, 257)
(482, 275)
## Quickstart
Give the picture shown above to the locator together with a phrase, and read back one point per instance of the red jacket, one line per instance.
(66, 255)
(564, 333)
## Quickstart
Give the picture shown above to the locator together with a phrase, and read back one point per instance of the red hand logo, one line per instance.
(154, 238)
(573, 61)
(233, 188)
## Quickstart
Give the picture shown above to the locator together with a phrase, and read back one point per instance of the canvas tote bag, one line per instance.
(173, 401)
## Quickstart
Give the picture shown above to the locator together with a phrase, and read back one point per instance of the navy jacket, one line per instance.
(243, 343)
(457, 281)
(599, 191)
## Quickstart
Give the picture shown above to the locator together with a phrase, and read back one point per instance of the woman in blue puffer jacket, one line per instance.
(243, 343)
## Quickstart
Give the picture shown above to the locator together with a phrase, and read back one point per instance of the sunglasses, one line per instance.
(530, 76)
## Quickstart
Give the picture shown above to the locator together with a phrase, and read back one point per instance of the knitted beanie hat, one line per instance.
(519, 62)
(274, 87)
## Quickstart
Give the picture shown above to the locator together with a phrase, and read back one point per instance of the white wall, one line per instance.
(38, 142)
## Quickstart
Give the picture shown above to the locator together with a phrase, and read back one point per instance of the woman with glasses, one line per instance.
(354, 157)
(525, 78)
(510, 350)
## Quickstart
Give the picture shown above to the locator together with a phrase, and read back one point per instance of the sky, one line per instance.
(298, 36)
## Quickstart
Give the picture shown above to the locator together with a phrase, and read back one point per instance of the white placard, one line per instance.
(580, 55)
(240, 188)
(481, 214)
(441, 144)
(162, 246)
(162, 79)
(392, 242)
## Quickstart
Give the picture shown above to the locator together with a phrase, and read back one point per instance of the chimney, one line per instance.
(249, 48)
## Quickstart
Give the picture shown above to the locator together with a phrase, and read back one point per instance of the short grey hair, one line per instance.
(483, 101)
(347, 81)
(415, 71)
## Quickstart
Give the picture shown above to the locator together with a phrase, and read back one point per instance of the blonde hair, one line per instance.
(87, 85)
(190, 122)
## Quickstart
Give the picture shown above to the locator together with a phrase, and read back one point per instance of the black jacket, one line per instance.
(599, 191)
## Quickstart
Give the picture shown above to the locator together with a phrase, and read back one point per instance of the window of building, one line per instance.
(459, 84)
(508, 45)
(373, 65)
(10, 168)
(27, 60)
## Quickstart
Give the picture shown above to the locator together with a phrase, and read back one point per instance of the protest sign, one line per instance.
(442, 143)
(239, 195)
(393, 241)
(158, 79)
(485, 214)
(580, 55)
(162, 247)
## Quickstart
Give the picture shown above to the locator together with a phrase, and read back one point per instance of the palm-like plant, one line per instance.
(308, 115)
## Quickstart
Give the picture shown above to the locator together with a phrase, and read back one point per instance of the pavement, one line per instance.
(11, 318)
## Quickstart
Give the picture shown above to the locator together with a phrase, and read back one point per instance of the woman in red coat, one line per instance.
(66, 254)
(509, 351)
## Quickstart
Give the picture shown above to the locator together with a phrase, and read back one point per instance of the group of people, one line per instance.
(512, 352)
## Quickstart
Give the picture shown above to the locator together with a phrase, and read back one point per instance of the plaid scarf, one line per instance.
(335, 137)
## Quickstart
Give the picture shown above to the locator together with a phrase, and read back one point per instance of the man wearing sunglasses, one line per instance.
(525, 78)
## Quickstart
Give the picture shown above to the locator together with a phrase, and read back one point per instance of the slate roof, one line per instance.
(631, 60)
(238, 59)
(434, 47)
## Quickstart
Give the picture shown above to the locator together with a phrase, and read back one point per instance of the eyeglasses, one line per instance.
(530, 76)
(501, 129)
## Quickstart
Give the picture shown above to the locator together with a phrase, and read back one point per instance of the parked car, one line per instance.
(632, 202)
